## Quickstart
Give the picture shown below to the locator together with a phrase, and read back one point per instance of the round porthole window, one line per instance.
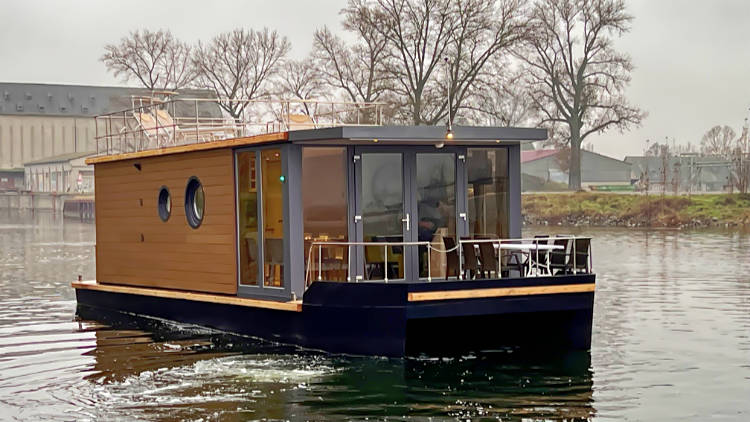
(195, 202)
(164, 203)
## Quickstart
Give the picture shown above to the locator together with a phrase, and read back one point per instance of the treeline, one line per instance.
(490, 62)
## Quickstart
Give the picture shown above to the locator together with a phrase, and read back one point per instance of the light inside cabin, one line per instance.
(376, 140)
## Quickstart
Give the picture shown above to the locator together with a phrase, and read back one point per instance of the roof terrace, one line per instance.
(154, 123)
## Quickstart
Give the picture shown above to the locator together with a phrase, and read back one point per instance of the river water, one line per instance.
(671, 342)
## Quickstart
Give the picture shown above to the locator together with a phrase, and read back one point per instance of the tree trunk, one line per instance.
(417, 111)
(574, 167)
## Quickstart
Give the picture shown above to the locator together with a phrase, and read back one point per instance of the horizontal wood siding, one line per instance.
(135, 247)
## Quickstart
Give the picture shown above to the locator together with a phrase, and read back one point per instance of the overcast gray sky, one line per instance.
(692, 58)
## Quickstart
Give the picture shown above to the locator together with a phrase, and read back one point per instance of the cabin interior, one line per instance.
(265, 216)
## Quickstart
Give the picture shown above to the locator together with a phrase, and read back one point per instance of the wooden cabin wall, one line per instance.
(135, 247)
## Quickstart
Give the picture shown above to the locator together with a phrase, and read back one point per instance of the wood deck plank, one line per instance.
(500, 292)
(293, 306)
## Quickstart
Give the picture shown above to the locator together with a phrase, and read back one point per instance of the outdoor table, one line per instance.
(528, 247)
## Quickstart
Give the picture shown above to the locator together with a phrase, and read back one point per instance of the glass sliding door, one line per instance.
(435, 211)
(272, 200)
(381, 213)
(260, 220)
(487, 190)
(325, 210)
(247, 218)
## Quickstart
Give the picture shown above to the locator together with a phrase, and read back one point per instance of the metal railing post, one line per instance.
(460, 260)
(156, 124)
(429, 261)
(385, 262)
(575, 267)
(174, 121)
(197, 133)
(349, 263)
(499, 260)
(320, 262)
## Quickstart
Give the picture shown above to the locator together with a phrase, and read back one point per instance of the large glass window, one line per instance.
(436, 209)
(247, 202)
(488, 192)
(273, 217)
(324, 208)
(383, 216)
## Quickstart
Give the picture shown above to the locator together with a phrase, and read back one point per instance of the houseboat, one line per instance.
(312, 224)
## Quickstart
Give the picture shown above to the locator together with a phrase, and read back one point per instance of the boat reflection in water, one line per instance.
(155, 369)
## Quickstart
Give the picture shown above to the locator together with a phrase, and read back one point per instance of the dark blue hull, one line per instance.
(387, 319)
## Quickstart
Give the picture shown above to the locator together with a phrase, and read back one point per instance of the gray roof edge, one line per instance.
(467, 133)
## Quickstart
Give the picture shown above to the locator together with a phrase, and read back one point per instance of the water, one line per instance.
(671, 342)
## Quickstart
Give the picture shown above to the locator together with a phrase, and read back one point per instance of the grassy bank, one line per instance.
(609, 209)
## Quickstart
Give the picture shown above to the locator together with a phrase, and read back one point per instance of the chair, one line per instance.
(510, 259)
(489, 259)
(374, 261)
(274, 260)
(559, 262)
(451, 257)
(539, 259)
(471, 262)
(581, 260)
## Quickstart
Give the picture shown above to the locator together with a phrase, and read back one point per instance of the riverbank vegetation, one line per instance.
(636, 210)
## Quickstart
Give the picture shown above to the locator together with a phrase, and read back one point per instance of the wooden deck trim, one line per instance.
(293, 306)
(500, 292)
(234, 142)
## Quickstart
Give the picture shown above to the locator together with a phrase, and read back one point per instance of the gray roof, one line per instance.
(72, 100)
(62, 158)
(417, 134)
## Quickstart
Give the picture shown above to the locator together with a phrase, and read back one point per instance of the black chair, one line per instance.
(582, 250)
(451, 257)
(489, 259)
(558, 259)
(471, 262)
(512, 260)
(538, 258)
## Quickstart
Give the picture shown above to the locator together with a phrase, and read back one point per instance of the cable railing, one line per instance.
(153, 123)
(542, 256)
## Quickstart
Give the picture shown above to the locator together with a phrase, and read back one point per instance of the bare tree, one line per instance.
(740, 157)
(239, 65)
(300, 79)
(157, 60)
(577, 78)
(500, 98)
(438, 48)
(483, 30)
(719, 140)
(359, 69)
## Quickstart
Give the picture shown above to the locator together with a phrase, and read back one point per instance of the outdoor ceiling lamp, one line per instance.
(449, 131)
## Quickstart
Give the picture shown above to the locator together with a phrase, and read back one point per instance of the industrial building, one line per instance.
(46, 130)
(543, 169)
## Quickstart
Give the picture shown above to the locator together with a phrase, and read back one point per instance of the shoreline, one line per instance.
(636, 210)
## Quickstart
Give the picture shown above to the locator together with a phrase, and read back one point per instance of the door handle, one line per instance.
(406, 220)
(462, 215)
(357, 218)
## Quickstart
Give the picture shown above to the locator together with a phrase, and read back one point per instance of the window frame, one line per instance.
(260, 290)
(190, 215)
(159, 208)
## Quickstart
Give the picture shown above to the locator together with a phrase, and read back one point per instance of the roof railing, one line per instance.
(154, 123)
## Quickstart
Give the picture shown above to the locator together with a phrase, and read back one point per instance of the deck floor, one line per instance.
(292, 306)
